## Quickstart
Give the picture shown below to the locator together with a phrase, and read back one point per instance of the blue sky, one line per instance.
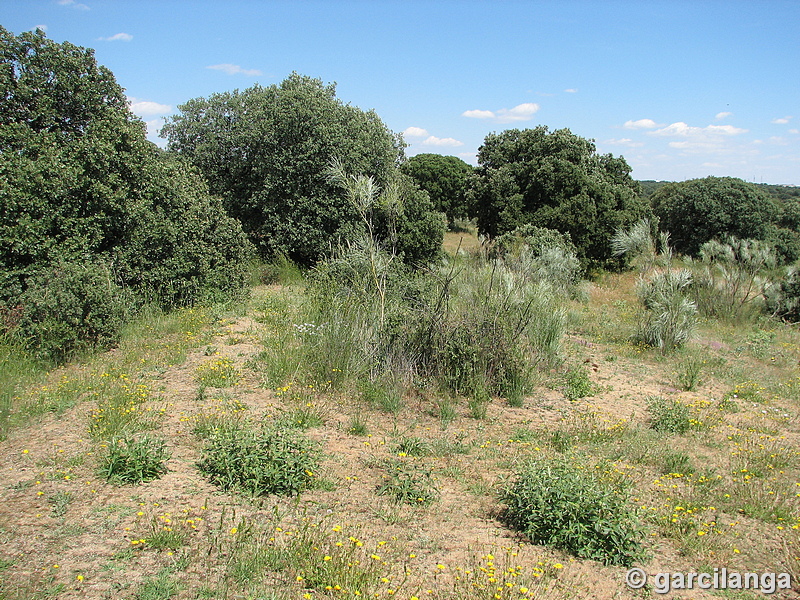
(680, 89)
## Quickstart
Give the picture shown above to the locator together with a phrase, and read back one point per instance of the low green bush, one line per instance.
(407, 483)
(559, 503)
(133, 460)
(667, 415)
(260, 461)
(72, 307)
(577, 384)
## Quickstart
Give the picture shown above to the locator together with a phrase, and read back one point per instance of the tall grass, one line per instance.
(475, 325)
(17, 370)
(670, 316)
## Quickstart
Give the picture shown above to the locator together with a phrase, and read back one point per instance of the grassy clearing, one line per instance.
(404, 483)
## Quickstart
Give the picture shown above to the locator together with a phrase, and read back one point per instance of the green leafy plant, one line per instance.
(412, 446)
(263, 461)
(668, 415)
(72, 307)
(561, 503)
(577, 384)
(688, 372)
(732, 278)
(358, 424)
(132, 460)
(446, 411)
(59, 501)
(384, 392)
(407, 483)
(302, 417)
(165, 536)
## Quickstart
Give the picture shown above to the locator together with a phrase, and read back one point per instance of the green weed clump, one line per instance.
(667, 415)
(133, 460)
(218, 373)
(260, 461)
(577, 384)
(688, 373)
(558, 503)
(485, 329)
(407, 483)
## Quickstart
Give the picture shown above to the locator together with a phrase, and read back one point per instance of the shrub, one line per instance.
(732, 277)
(555, 180)
(72, 307)
(81, 185)
(577, 384)
(409, 484)
(669, 317)
(269, 460)
(445, 178)
(555, 502)
(540, 254)
(668, 415)
(783, 300)
(485, 329)
(639, 243)
(132, 460)
(271, 167)
(181, 248)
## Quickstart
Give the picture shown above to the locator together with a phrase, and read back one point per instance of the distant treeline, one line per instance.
(779, 192)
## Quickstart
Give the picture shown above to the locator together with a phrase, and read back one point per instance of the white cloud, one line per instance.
(435, 141)
(415, 132)
(153, 126)
(681, 129)
(795, 131)
(571, 90)
(627, 142)
(235, 70)
(117, 37)
(73, 4)
(723, 115)
(782, 121)
(146, 108)
(641, 124)
(521, 112)
(478, 114)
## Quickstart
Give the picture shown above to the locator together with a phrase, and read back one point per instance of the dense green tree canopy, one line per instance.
(700, 210)
(267, 152)
(80, 184)
(445, 178)
(70, 153)
(558, 181)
